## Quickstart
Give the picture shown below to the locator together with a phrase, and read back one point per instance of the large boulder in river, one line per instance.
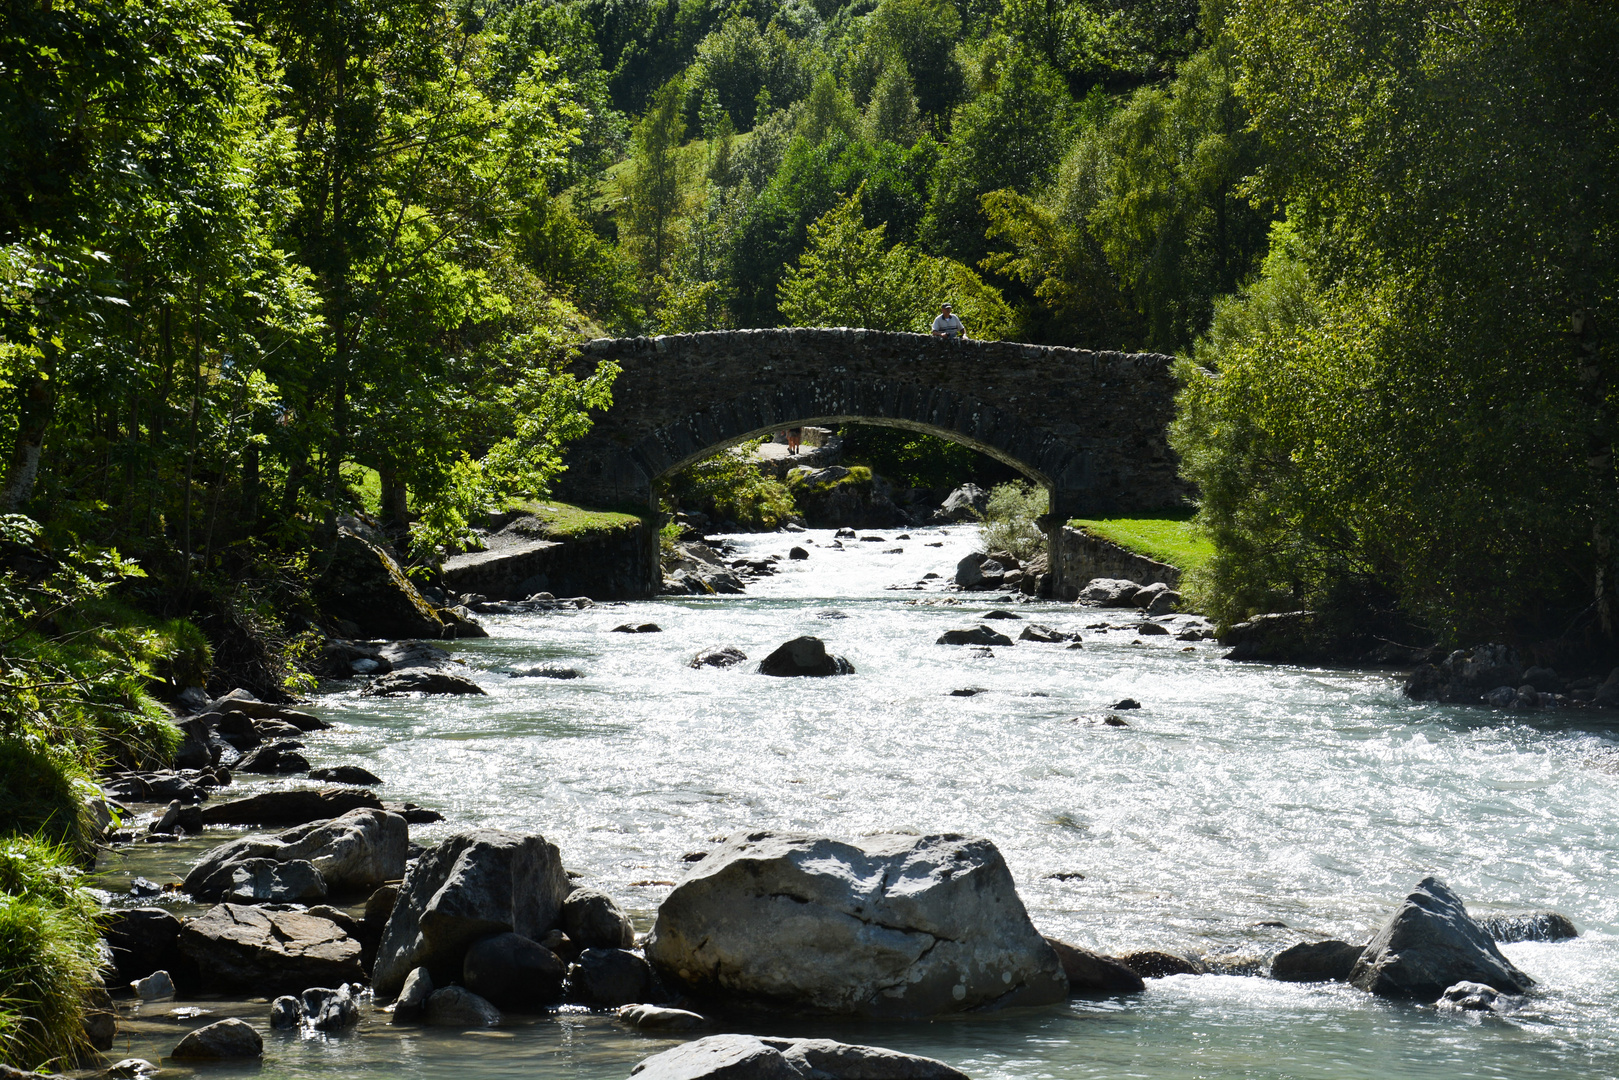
(1430, 943)
(1109, 592)
(474, 884)
(513, 972)
(269, 952)
(142, 940)
(365, 586)
(267, 881)
(804, 656)
(979, 572)
(901, 926)
(750, 1057)
(353, 853)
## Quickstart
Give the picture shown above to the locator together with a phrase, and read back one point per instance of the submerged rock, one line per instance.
(420, 681)
(1431, 943)
(900, 926)
(1529, 926)
(225, 1040)
(749, 1057)
(1093, 973)
(1316, 961)
(1475, 997)
(660, 1018)
(1152, 964)
(346, 774)
(456, 1006)
(977, 635)
(727, 656)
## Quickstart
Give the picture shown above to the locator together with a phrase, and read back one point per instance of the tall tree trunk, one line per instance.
(36, 406)
(394, 514)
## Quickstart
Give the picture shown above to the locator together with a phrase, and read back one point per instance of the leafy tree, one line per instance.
(891, 115)
(1442, 428)
(920, 37)
(849, 276)
(652, 191)
(1011, 136)
(739, 60)
(812, 180)
(828, 111)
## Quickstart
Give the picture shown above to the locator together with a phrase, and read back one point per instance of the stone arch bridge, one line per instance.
(1090, 427)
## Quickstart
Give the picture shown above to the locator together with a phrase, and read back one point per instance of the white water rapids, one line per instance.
(1238, 795)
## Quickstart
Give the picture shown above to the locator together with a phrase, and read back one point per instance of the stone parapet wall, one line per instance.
(1083, 557)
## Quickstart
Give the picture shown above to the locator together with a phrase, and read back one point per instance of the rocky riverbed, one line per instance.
(1236, 814)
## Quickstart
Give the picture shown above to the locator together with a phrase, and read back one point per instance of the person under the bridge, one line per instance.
(947, 325)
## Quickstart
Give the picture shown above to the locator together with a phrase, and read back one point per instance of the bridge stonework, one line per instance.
(1091, 427)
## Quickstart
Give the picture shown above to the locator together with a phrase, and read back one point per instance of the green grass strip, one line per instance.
(1170, 538)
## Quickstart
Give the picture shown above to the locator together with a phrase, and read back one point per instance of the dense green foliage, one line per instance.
(1416, 399)
(730, 486)
(1009, 519)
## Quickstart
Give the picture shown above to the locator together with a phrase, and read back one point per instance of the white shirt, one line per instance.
(949, 325)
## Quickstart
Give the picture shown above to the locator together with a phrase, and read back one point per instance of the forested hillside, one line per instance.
(265, 263)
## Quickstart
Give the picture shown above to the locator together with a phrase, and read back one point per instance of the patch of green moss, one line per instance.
(800, 482)
(564, 521)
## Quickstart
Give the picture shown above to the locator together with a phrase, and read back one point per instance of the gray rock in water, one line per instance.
(999, 613)
(267, 951)
(412, 1004)
(1474, 997)
(1164, 602)
(1146, 594)
(804, 656)
(127, 1069)
(220, 1041)
(977, 635)
(1529, 926)
(609, 977)
(142, 940)
(266, 881)
(513, 972)
(297, 807)
(473, 884)
(638, 628)
(978, 572)
(357, 851)
(1152, 964)
(156, 986)
(967, 503)
(277, 758)
(659, 1018)
(595, 921)
(798, 553)
(346, 774)
(901, 926)
(1316, 961)
(749, 1057)
(1042, 632)
(1431, 943)
(721, 658)
(1093, 973)
(286, 1012)
(1110, 592)
(547, 671)
(418, 681)
(330, 1010)
(456, 1006)
(1151, 629)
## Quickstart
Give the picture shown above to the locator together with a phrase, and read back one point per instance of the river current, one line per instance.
(1237, 796)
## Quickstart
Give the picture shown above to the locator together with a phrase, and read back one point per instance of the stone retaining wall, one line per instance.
(610, 565)
(1084, 557)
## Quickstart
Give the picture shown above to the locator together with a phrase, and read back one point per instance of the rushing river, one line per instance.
(1238, 795)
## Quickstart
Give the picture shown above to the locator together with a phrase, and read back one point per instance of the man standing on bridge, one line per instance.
(946, 325)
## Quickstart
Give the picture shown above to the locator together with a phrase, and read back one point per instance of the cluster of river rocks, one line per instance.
(488, 923)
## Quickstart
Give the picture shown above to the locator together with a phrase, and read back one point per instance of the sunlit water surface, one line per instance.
(1238, 794)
